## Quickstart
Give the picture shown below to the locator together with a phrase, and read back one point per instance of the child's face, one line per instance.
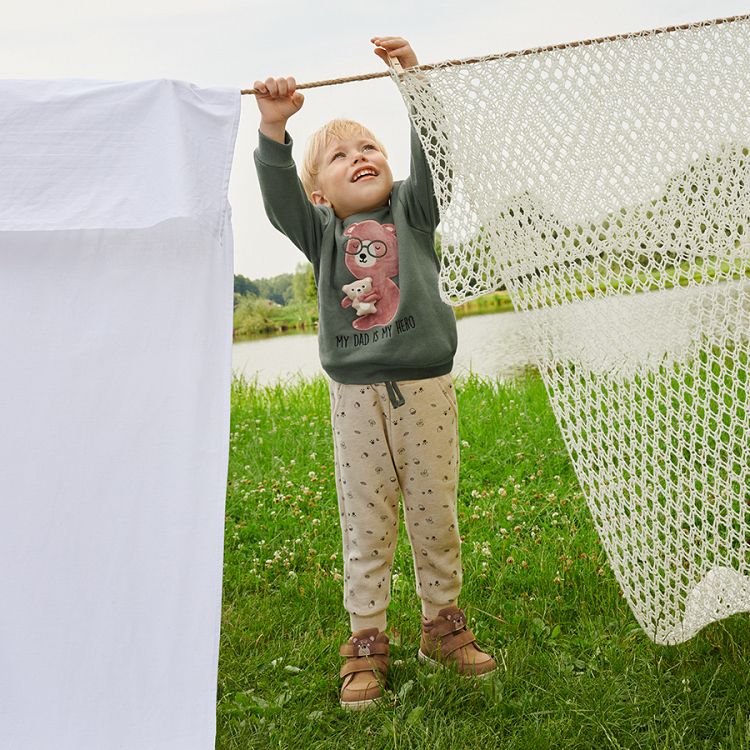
(353, 177)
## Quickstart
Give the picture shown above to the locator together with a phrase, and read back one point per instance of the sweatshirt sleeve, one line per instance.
(418, 191)
(284, 199)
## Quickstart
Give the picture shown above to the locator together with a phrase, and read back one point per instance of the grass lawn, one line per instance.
(575, 671)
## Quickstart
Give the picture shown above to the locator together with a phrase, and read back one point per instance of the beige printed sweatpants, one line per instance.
(382, 453)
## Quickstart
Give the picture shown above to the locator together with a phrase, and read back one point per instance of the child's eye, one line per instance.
(369, 147)
(338, 154)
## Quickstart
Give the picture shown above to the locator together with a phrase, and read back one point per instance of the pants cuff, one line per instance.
(359, 622)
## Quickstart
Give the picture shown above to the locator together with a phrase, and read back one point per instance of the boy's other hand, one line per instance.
(395, 46)
(277, 99)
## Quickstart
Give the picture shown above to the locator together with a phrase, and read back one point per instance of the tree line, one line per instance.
(284, 289)
(281, 303)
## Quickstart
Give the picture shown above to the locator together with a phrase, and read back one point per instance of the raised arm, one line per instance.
(418, 190)
(286, 204)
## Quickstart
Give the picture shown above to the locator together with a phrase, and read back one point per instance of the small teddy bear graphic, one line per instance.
(355, 291)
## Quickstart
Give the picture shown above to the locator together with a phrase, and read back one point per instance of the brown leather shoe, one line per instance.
(365, 669)
(446, 641)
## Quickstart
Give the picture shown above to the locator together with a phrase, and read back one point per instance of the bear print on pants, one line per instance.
(372, 251)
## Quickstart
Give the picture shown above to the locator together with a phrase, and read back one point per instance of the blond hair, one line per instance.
(319, 141)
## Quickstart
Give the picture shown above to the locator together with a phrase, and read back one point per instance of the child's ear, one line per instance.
(319, 199)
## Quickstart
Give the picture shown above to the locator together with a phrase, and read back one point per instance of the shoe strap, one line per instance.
(444, 627)
(452, 643)
(370, 664)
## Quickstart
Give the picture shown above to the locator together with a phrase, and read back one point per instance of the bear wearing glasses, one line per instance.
(372, 251)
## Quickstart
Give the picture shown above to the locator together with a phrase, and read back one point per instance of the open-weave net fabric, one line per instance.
(607, 186)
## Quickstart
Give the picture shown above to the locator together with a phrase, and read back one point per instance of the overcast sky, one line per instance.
(229, 43)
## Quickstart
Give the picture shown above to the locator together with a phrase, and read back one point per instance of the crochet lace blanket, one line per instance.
(606, 187)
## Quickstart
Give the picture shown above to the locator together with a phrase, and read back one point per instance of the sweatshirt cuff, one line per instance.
(273, 153)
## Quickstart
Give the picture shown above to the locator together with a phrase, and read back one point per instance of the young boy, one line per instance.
(387, 342)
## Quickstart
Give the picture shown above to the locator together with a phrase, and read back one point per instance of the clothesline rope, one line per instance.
(521, 53)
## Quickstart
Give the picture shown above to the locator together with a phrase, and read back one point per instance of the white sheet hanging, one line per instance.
(115, 350)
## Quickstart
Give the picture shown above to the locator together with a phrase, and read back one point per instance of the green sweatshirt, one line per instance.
(409, 333)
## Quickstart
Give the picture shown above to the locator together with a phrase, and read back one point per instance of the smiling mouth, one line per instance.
(362, 173)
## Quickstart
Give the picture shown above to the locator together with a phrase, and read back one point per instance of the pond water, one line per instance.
(489, 345)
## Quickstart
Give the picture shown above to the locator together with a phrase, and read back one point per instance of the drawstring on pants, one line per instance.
(394, 394)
